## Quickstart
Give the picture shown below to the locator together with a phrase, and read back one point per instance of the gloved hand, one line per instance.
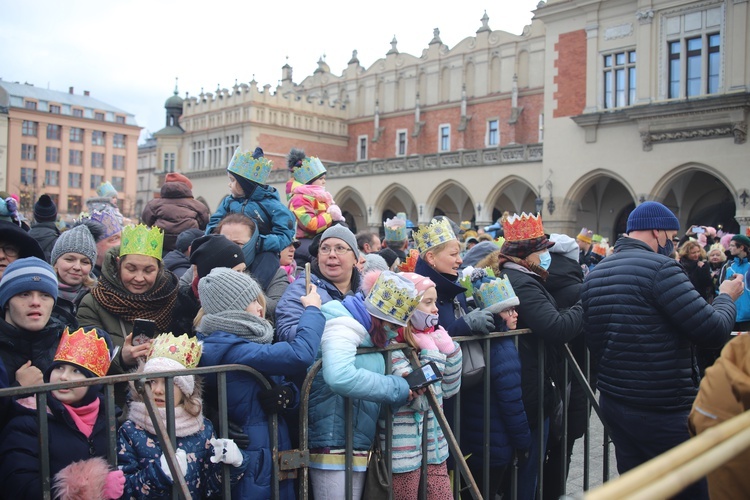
(114, 484)
(275, 399)
(335, 212)
(424, 341)
(226, 451)
(181, 461)
(443, 341)
(480, 321)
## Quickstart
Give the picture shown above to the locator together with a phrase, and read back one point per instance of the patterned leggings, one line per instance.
(406, 485)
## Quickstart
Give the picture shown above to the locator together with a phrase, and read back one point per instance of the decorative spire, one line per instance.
(436, 37)
(485, 23)
(175, 86)
(393, 50)
(354, 59)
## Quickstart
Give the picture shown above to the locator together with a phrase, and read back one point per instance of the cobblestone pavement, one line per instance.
(596, 454)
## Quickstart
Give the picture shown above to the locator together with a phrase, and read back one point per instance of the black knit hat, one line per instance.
(185, 239)
(214, 250)
(45, 209)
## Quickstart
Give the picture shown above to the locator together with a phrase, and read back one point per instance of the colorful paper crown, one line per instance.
(489, 292)
(142, 240)
(585, 235)
(410, 263)
(106, 189)
(84, 349)
(106, 218)
(184, 349)
(395, 229)
(465, 225)
(523, 227)
(392, 298)
(311, 169)
(597, 238)
(244, 165)
(438, 231)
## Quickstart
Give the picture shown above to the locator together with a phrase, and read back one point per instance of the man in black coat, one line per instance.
(44, 229)
(641, 318)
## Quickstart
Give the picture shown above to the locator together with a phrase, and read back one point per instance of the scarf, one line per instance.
(157, 304)
(184, 423)
(525, 266)
(319, 193)
(68, 292)
(84, 416)
(240, 323)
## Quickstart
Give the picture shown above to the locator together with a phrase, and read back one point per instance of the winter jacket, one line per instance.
(509, 428)
(177, 262)
(174, 212)
(274, 361)
(274, 220)
(19, 346)
(725, 393)
(642, 316)
(20, 468)
(740, 266)
(451, 300)
(309, 204)
(700, 276)
(65, 310)
(46, 234)
(347, 374)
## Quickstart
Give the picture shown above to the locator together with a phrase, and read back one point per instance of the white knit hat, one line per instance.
(226, 290)
(186, 383)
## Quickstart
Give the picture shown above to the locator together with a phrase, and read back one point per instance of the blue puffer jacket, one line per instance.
(274, 361)
(274, 220)
(447, 293)
(642, 316)
(509, 429)
(348, 374)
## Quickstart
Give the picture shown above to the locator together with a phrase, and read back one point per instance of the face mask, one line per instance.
(545, 260)
(667, 248)
(423, 321)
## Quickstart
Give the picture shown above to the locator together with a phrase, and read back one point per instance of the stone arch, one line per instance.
(353, 208)
(450, 198)
(395, 198)
(512, 194)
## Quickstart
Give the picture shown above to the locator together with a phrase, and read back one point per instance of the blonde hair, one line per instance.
(687, 246)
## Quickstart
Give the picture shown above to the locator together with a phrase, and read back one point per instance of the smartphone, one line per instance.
(307, 278)
(143, 331)
(428, 374)
(698, 230)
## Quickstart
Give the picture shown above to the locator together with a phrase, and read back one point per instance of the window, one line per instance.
(97, 138)
(444, 139)
(362, 150)
(118, 183)
(400, 142)
(28, 152)
(493, 133)
(168, 162)
(53, 155)
(232, 143)
(619, 79)
(74, 179)
(99, 116)
(29, 128)
(30, 104)
(119, 119)
(118, 162)
(118, 140)
(51, 178)
(96, 181)
(54, 132)
(28, 176)
(74, 204)
(199, 155)
(54, 108)
(77, 112)
(76, 134)
(76, 157)
(97, 160)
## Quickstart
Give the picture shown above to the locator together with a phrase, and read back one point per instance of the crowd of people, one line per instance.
(233, 288)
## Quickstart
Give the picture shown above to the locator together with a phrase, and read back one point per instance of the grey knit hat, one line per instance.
(226, 290)
(75, 240)
(342, 233)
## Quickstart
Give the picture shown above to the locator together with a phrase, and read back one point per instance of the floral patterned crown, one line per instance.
(438, 231)
(106, 218)
(489, 292)
(244, 165)
(523, 227)
(392, 298)
(395, 229)
(142, 240)
(85, 349)
(184, 349)
(311, 169)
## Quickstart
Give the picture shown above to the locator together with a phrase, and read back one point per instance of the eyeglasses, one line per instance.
(338, 249)
(510, 311)
(9, 250)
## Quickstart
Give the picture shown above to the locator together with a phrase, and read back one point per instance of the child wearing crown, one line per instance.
(311, 204)
(199, 454)
(77, 429)
(249, 195)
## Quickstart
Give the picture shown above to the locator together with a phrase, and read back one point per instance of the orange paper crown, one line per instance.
(85, 349)
(523, 227)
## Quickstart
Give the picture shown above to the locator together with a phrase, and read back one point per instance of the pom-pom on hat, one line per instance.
(213, 251)
(343, 233)
(178, 177)
(305, 169)
(226, 290)
(142, 240)
(27, 275)
(652, 215)
(45, 209)
(251, 166)
(75, 240)
(106, 190)
(170, 353)
(393, 298)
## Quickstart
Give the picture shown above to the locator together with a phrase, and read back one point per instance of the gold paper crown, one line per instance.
(84, 349)
(585, 235)
(523, 227)
(392, 298)
(141, 240)
(438, 231)
(184, 349)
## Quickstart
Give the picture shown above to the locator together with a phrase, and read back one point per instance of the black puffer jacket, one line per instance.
(642, 316)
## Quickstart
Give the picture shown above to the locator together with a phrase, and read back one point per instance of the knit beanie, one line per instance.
(186, 383)
(45, 209)
(227, 290)
(342, 233)
(76, 240)
(423, 284)
(178, 177)
(185, 239)
(215, 250)
(374, 262)
(652, 215)
(26, 275)
(742, 240)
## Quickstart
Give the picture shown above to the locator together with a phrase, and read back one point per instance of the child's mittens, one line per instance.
(425, 342)
(226, 451)
(443, 341)
(181, 461)
(114, 485)
(335, 213)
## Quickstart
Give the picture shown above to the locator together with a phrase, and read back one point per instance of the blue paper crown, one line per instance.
(311, 169)
(244, 165)
(395, 229)
(106, 189)
(489, 292)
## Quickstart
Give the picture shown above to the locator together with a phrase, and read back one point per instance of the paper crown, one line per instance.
(489, 292)
(244, 165)
(395, 229)
(311, 169)
(597, 238)
(106, 189)
(410, 263)
(106, 218)
(465, 225)
(438, 231)
(523, 227)
(142, 240)
(585, 235)
(392, 298)
(184, 349)
(84, 349)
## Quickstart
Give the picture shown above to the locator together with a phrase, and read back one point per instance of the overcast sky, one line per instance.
(128, 53)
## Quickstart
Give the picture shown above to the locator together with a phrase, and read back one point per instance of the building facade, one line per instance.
(66, 145)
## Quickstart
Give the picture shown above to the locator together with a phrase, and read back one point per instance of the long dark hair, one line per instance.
(377, 332)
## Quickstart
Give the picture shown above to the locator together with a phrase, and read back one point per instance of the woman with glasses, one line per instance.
(15, 243)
